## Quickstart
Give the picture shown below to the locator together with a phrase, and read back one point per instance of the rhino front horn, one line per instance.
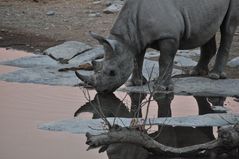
(86, 79)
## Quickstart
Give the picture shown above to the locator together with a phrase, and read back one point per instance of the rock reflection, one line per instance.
(111, 106)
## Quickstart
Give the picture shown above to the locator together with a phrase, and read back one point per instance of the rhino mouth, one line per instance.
(101, 88)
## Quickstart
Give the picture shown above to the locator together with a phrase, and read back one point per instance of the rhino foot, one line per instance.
(136, 82)
(196, 71)
(216, 75)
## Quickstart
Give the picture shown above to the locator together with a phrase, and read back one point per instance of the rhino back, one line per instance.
(191, 22)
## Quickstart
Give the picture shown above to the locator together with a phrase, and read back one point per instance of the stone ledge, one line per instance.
(199, 86)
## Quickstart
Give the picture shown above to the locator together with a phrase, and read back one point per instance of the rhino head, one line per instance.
(115, 68)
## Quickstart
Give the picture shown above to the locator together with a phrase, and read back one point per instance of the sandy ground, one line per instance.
(25, 23)
(72, 21)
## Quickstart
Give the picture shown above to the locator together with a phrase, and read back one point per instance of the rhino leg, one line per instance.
(208, 50)
(168, 49)
(228, 29)
(137, 78)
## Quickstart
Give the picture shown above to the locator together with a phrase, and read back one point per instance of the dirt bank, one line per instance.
(27, 22)
(35, 25)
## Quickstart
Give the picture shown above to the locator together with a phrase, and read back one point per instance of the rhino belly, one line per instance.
(195, 41)
(201, 26)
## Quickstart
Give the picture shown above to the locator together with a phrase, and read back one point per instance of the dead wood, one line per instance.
(228, 139)
(86, 66)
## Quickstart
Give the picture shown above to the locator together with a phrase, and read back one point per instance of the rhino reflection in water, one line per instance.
(167, 135)
(111, 106)
(165, 25)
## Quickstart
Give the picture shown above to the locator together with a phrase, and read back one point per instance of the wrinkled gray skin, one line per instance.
(165, 25)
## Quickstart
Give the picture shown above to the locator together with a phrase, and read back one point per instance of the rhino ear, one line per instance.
(109, 45)
(100, 39)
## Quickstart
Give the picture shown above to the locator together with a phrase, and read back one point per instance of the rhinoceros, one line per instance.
(164, 25)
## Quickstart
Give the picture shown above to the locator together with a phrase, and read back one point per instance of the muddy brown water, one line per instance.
(24, 106)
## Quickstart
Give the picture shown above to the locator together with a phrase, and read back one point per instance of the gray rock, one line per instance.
(152, 54)
(97, 2)
(89, 11)
(32, 61)
(199, 86)
(182, 58)
(95, 126)
(207, 87)
(95, 15)
(42, 69)
(152, 67)
(188, 53)
(3, 30)
(1, 38)
(184, 61)
(67, 50)
(234, 62)
(87, 56)
(50, 13)
(185, 53)
(177, 72)
(220, 109)
(108, 3)
(113, 8)
(37, 51)
(42, 75)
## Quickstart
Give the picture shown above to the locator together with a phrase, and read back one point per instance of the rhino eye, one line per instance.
(112, 73)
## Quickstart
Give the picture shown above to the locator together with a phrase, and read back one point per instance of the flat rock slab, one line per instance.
(113, 8)
(199, 86)
(67, 50)
(96, 126)
(189, 53)
(184, 53)
(152, 68)
(87, 56)
(182, 61)
(32, 61)
(41, 75)
(233, 62)
(152, 54)
(41, 69)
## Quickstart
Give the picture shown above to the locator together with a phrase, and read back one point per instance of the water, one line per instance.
(24, 106)
(163, 106)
